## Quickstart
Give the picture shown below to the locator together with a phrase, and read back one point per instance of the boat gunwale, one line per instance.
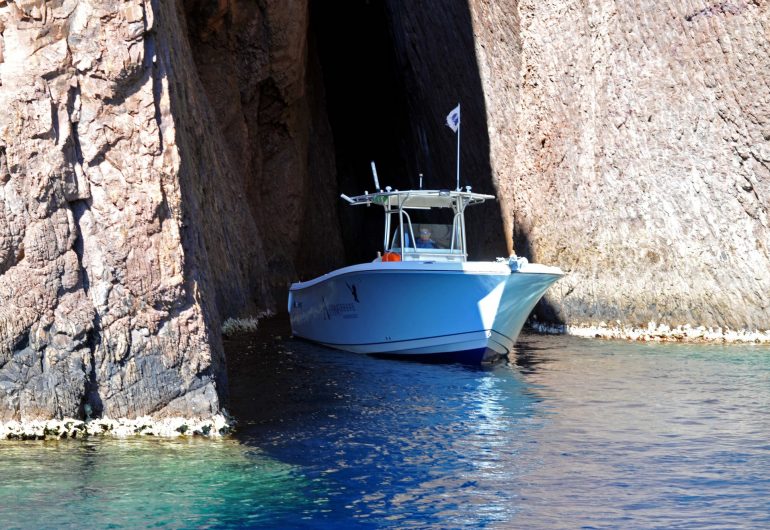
(486, 268)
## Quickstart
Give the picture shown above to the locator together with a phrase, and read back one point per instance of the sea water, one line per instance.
(568, 433)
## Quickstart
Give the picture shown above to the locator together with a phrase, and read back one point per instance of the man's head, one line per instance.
(424, 233)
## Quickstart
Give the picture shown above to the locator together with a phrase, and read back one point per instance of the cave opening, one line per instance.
(306, 96)
(392, 71)
(366, 105)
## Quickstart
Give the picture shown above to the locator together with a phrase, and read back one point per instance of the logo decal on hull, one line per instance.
(344, 310)
(327, 316)
(353, 291)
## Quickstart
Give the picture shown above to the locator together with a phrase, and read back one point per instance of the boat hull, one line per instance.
(468, 312)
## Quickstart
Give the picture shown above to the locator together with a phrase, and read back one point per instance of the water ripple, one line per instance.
(570, 433)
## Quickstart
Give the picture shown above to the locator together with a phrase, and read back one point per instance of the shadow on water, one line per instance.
(534, 352)
(276, 379)
(376, 437)
(270, 383)
(527, 357)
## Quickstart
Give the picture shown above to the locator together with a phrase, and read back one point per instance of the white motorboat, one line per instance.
(421, 298)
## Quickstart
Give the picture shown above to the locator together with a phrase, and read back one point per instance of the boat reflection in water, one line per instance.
(421, 298)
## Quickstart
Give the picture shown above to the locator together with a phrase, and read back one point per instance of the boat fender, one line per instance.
(391, 256)
(516, 262)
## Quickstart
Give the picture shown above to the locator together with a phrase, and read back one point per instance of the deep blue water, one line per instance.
(569, 433)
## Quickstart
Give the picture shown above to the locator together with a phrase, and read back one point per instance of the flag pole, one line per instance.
(459, 126)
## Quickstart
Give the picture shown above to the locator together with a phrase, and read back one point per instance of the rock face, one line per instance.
(641, 158)
(127, 160)
(98, 314)
(262, 81)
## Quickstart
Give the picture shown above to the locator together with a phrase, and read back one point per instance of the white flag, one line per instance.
(453, 118)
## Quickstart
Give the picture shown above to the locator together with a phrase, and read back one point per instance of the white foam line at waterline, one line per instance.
(655, 333)
(218, 425)
(233, 326)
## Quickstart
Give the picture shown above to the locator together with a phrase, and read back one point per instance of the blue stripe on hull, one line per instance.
(474, 356)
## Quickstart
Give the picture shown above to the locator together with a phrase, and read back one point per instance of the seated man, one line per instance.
(424, 240)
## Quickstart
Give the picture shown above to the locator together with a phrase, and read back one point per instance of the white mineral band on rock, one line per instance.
(656, 333)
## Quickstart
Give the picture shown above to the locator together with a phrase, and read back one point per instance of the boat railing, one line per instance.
(411, 230)
(403, 240)
(456, 227)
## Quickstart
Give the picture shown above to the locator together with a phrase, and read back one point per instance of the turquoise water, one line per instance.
(570, 433)
(138, 483)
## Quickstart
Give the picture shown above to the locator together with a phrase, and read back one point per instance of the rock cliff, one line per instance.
(165, 166)
(149, 189)
(641, 159)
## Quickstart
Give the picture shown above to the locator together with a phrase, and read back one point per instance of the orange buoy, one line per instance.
(391, 256)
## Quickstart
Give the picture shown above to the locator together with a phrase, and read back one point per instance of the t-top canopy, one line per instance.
(419, 198)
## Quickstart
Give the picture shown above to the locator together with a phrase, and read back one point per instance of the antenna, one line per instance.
(374, 174)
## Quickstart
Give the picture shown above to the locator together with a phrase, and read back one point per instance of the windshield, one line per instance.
(426, 236)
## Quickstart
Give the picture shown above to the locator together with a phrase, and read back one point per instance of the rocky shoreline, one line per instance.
(215, 426)
(655, 333)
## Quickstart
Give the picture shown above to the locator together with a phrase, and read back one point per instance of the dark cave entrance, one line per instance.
(365, 98)
(392, 71)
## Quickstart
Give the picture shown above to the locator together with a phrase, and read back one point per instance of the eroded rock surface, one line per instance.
(126, 163)
(262, 80)
(642, 159)
(96, 313)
